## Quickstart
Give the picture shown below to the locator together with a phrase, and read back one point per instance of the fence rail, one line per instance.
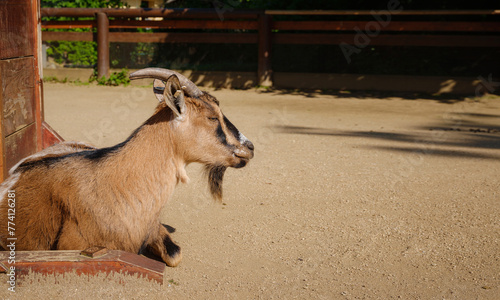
(259, 27)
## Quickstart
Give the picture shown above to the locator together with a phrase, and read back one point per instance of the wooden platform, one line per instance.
(88, 262)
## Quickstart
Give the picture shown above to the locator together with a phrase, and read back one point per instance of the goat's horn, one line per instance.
(163, 74)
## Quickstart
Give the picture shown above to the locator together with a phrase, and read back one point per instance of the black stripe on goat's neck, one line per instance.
(93, 155)
(102, 153)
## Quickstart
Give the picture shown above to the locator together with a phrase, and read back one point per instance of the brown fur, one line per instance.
(73, 196)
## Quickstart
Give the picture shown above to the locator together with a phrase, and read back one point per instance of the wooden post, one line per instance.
(20, 111)
(102, 44)
(264, 72)
(38, 89)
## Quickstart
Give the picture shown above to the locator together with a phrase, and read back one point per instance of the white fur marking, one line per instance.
(243, 138)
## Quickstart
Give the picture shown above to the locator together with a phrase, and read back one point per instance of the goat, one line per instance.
(73, 196)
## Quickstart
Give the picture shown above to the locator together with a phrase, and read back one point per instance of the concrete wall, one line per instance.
(350, 82)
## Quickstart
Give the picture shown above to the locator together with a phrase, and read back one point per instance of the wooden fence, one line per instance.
(473, 29)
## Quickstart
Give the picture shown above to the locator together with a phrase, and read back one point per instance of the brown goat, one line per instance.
(73, 196)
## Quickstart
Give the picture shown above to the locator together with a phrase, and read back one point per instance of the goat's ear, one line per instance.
(172, 93)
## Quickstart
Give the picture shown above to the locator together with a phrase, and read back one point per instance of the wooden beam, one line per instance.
(283, 38)
(60, 262)
(158, 37)
(167, 37)
(185, 24)
(390, 40)
(68, 24)
(392, 26)
(451, 26)
(67, 36)
(153, 12)
(369, 13)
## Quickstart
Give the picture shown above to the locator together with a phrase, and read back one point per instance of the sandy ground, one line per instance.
(349, 196)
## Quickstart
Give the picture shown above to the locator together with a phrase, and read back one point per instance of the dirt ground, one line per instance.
(349, 196)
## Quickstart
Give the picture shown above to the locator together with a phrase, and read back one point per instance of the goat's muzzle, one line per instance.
(245, 153)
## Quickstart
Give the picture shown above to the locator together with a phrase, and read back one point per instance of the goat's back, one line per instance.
(35, 185)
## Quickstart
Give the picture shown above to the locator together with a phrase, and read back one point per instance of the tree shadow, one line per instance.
(381, 95)
(439, 152)
(459, 122)
(467, 138)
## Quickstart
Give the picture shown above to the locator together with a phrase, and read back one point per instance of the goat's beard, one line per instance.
(215, 174)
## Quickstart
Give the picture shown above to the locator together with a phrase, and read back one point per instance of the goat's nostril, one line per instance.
(249, 145)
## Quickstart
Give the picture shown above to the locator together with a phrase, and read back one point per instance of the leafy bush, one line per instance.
(75, 53)
(82, 3)
(115, 79)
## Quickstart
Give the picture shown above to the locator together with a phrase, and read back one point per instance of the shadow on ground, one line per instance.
(466, 134)
(442, 98)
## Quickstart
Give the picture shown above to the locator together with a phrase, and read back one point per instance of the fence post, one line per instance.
(102, 44)
(264, 72)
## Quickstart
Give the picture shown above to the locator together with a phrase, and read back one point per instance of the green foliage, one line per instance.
(75, 53)
(82, 3)
(54, 79)
(115, 79)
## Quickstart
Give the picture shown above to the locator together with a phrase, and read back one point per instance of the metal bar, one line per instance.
(102, 44)
(264, 71)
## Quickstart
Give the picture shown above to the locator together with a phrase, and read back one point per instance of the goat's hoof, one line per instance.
(172, 253)
(174, 259)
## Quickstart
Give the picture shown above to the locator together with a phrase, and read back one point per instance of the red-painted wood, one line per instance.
(60, 262)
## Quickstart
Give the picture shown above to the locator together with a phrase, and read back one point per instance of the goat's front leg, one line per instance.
(163, 246)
